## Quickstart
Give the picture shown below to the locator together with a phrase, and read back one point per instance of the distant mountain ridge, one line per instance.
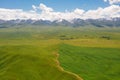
(113, 22)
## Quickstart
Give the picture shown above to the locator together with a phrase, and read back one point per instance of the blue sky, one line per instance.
(59, 9)
(57, 5)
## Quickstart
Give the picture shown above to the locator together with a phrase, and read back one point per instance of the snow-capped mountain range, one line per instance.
(113, 22)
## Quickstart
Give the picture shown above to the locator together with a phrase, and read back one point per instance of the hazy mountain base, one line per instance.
(102, 22)
(29, 53)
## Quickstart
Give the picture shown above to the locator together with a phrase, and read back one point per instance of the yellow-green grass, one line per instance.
(94, 43)
(31, 52)
(30, 62)
(25, 57)
(76, 42)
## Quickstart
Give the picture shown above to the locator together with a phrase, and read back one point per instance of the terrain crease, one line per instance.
(61, 68)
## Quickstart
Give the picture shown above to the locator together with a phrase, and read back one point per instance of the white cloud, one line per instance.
(48, 13)
(108, 12)
(9, 14)
(105, 0)
(44, 8)
(112, 1)
(34, 7)
(78, 11)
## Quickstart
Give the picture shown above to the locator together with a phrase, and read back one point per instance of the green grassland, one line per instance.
(30, 52)
(91, 63)
(25, 62)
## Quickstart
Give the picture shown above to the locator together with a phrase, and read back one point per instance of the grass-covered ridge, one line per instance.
(25, 62)
(91, 63)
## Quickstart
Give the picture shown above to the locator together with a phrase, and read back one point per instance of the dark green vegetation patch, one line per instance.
(91, 63)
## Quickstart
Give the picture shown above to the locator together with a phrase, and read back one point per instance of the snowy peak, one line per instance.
(102, 22)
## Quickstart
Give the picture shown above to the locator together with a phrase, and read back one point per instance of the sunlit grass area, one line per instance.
(59, 53)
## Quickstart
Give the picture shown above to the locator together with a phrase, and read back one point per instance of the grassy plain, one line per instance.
(91, 63)
(31, 53)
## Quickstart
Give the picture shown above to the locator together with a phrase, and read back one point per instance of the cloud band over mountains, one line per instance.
(47, 13)
(112, 1)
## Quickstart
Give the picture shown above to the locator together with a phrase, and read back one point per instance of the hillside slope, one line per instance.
(23, 62)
